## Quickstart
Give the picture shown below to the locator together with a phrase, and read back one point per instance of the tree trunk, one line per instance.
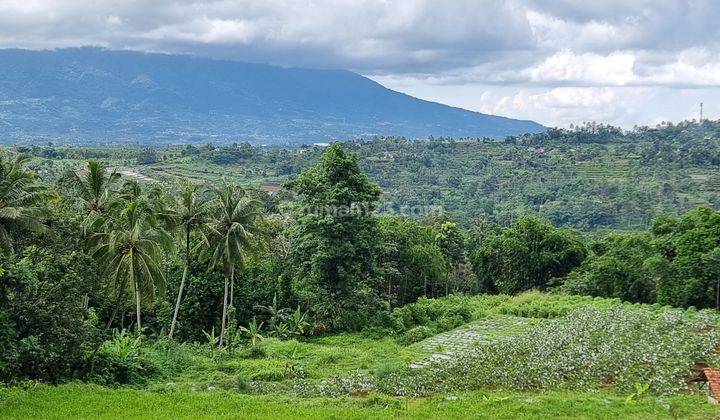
(182, 283)
(137, 305)
(224, 314)
(232, 285)
(117, 306)
(389, 292)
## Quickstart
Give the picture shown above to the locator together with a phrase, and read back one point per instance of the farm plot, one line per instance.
(451, 344)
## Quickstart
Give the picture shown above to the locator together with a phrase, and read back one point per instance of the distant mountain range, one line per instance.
(91, 95)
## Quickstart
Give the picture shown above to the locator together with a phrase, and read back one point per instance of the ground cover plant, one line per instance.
(111, 277)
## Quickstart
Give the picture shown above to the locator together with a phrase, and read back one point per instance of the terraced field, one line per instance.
(446, 346)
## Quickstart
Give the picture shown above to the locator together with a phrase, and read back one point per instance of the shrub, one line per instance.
(120, 361)
(416, 334)
(256, 351)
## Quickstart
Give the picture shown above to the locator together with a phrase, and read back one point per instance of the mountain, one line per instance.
(95, 95)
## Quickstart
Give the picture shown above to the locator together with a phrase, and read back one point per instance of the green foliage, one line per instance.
(332, 262)
(588, 349)
(526, 256)
(691, 246)
(22, 198)
(119, 360)
(233, 233)
(130, 249)
(413, 264)
(622, 265)
(42, 314)
(190, 211)
(424, 318)
(415, 334)
(675, 263)
(201, 307)
(88, 401)
(539, 305)
(147, 156)
(252, 332)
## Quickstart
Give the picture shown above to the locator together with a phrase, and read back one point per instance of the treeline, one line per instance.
(95, 252)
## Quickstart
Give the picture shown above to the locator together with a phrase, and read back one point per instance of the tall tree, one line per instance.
(527, 255)
(191, 212)
(415, 260)
(21, 200)
(232, 234)
(130, 249)
(335, 241)
(94, 188)
(452, 244)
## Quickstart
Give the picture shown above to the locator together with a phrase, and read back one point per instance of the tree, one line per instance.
(130, 250)
(691, 246)
(452, 244)
(333, 259)
(232, 234)
(621, 265)
(527, 255)
(21, 200)
(418, 263)
(94, 188)
(191, 212)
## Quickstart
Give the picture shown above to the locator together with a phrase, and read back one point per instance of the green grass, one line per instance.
(87, 401)
(188, 366)
(190, 381)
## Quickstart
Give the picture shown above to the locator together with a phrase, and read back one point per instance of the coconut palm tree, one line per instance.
(130, 248)
(191, 212)
(232, 235)
(21, 200)
(95, 189)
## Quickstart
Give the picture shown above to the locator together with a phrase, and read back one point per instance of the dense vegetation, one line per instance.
(591, 178)
(312, 290)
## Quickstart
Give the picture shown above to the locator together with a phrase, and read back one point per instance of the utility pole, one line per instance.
(701, 112)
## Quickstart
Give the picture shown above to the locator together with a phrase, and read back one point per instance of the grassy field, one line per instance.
(88, 401)
(299, 378)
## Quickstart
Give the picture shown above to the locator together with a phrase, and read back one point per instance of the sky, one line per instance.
(558, 62)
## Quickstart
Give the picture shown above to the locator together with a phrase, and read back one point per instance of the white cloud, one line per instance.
(551, 60)
(588, 68)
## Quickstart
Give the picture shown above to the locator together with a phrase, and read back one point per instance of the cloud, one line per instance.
(529, 55)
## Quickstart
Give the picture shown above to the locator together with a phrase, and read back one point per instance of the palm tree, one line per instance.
(191, 212)
(130, 248)
(94, 188)
(232, 235)
(21, 199)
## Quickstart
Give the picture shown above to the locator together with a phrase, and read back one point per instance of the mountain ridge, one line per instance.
(91, 95)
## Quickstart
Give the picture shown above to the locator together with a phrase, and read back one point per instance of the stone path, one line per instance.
(446, 346)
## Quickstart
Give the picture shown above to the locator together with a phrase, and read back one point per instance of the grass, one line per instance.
(88, 401)
(190, 381)
(189, 366)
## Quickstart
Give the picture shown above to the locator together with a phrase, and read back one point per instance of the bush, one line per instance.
(535, 304)
(8, 349)
(257, 351)
(120, 361)
(416, 334)
(434, 315)
(45, 331)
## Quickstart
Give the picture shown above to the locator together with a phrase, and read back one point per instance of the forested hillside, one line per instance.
(591, 178)
(97, 96)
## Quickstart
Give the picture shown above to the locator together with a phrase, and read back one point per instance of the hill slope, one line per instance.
(91, 94)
